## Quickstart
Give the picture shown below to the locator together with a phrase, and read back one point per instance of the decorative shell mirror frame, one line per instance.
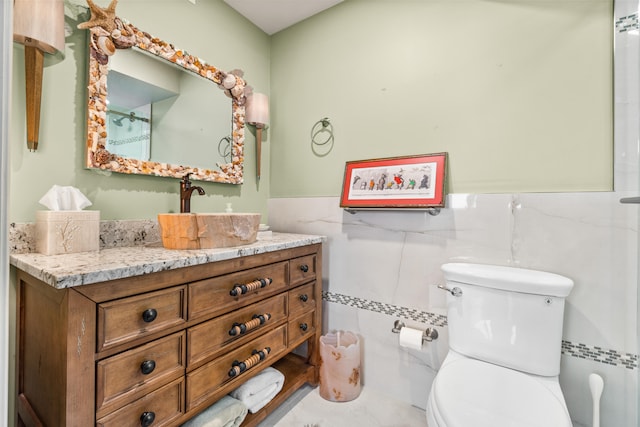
(108, 33)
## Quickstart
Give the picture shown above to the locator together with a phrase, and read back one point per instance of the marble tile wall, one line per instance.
(381, 266)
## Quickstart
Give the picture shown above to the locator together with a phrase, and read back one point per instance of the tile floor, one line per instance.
(306, 408)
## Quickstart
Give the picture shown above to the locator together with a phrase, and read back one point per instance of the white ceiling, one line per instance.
(272, 16)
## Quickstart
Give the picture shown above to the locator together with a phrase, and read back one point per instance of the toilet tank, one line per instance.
(508, 316)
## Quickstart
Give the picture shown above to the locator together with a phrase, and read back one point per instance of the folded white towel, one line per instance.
(260, 390)
(226, 412)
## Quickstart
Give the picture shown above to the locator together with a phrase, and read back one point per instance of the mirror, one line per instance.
(154, 109)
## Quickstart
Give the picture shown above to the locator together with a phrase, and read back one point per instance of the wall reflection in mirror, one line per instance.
(129, 132)
(157, 110)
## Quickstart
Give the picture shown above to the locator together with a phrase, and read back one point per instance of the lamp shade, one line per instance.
(40, 24)
(257, 109)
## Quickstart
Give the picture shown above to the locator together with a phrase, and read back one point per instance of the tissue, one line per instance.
(64, 198)
(66, 228)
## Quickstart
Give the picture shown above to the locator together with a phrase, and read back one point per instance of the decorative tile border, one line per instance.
(389, 309)
(582, 351)
(599, 354)
(627, 23)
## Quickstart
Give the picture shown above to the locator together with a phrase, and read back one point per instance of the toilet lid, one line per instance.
(469, 392)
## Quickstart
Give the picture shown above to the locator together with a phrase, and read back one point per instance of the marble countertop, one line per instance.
(84, 268)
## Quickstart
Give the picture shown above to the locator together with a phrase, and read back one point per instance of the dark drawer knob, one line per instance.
(304, 268)
(148, 366)
(149, 315)
(147, 418)
(303, 326)
(304, 298)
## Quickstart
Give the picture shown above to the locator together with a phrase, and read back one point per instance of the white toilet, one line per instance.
(505, 337)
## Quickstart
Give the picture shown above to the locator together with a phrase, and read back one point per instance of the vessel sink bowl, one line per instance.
(207, 230)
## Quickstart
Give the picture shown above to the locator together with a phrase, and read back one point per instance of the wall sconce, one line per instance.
(39, 26)
(257, 114)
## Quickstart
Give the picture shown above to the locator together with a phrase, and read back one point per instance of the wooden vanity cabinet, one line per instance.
(157, 349)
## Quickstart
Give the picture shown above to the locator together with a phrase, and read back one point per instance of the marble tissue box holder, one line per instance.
(64, 232)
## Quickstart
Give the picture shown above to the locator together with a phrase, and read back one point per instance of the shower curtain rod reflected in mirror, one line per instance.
(131, 116)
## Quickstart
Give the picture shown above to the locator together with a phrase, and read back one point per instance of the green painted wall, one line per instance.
(519, 93)
(209, 29)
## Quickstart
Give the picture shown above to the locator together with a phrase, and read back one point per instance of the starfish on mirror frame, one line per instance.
(101, 17)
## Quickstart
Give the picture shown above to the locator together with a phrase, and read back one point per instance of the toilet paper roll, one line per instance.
(411, 338)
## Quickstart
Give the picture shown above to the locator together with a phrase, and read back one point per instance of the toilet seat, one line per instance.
(469, 392)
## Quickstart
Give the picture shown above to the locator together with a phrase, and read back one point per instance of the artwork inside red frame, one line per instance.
(395, 182)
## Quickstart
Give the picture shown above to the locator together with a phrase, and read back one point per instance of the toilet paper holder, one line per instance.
(428, 335)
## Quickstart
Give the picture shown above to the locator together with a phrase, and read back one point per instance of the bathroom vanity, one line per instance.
(152, 337)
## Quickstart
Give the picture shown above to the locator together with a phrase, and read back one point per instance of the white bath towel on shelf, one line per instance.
(226, 412)
(260, 390)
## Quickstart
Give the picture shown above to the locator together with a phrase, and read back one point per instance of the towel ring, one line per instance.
(224, 148)
(322, 147)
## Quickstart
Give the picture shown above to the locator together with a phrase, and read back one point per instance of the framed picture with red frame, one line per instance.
(414, 182)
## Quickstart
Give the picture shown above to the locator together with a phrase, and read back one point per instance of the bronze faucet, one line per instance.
(186, 189)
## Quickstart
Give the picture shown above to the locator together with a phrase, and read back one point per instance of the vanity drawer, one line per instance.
(213, 296)
(302, 269)
(130, 318)
(164, 405)
(302, 299)
(301, 328)
(131, 374)
(209, 338)
(206, 380)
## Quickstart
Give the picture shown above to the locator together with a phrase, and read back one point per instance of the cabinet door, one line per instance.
(300, 328)
(225, 293)
(302, 299)
(158, 408)
(127, 319)
(302, 269)
(205, 382)
(226, 332)
(132, 374)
